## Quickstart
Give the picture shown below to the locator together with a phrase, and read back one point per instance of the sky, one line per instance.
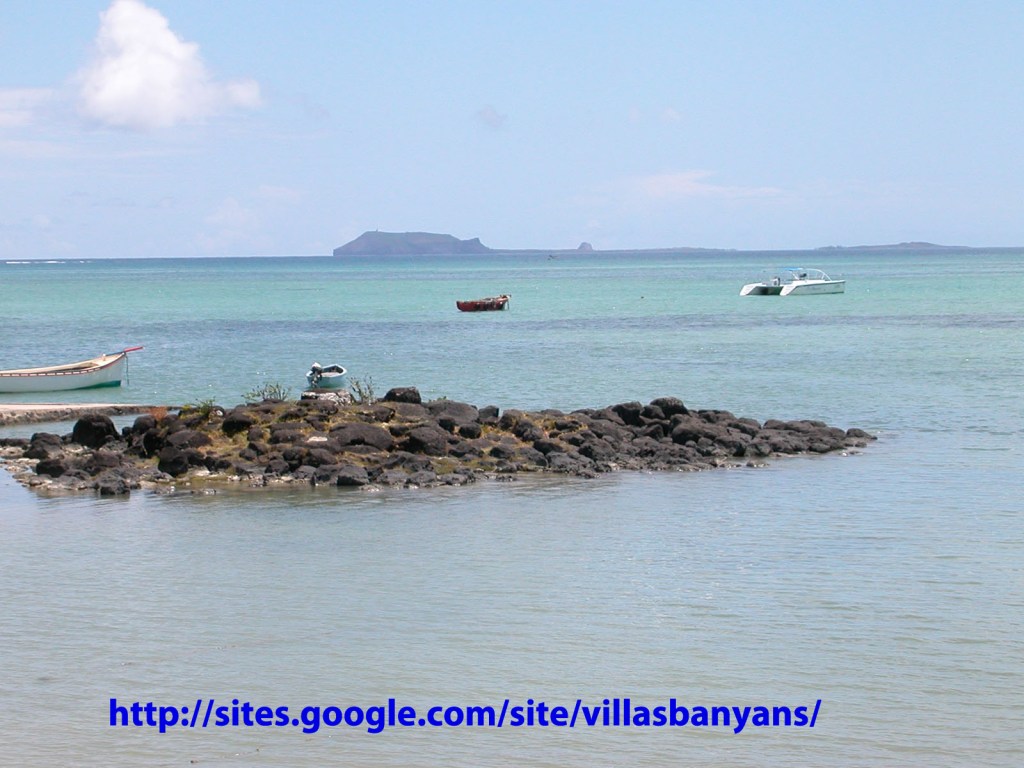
(179, 128)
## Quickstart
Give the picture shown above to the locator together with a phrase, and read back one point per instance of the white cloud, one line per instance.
(143, 76)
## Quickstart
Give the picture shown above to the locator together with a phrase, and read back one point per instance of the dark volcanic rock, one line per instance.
(237, 420)
(629, 413)
(52, 467)
(405, 442)
(453, 412)
(352, 475)
(429, 439)
(173, 461)
(112, 484)
(99, 461)
(403, 395)
(188, 438)
(469, 431)
(286, 436)
(598, 450)
(528, 431)
(276, 466)
(423, 477)
(360, 433)
(42, 445)
(94, 430)
(670, 406)
(547, 446)
(143, 423)
(149, 442)
(466, 449)
(489, 414)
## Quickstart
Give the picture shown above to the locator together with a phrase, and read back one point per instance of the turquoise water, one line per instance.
(888, 584)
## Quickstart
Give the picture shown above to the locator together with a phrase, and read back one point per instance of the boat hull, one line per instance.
(105, 371)
(326, 381)
(760, 289)
(491, 304)
(813, 288)
(331, 377)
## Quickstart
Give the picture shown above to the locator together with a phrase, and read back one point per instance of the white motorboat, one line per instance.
(795, 281)
(325, 376)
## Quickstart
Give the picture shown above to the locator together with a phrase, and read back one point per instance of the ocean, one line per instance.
(882, 590)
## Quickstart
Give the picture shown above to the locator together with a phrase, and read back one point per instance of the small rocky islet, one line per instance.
(398, 441)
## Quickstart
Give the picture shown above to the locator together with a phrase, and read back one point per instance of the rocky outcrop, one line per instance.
(401, 441)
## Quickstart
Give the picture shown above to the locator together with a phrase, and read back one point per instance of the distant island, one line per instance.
(378, 243)
(912, 246)
(394, 243)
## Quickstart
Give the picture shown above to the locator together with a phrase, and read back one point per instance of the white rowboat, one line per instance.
(102, 371)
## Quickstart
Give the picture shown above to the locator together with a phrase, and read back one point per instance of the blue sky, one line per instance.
(196, 128)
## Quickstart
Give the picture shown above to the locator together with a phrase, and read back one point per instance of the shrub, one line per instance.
(204, 408)
(362, 391)
(267, 391)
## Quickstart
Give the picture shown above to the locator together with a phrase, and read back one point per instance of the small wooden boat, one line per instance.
(325, 376)
(102, 371)
(490, 304)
